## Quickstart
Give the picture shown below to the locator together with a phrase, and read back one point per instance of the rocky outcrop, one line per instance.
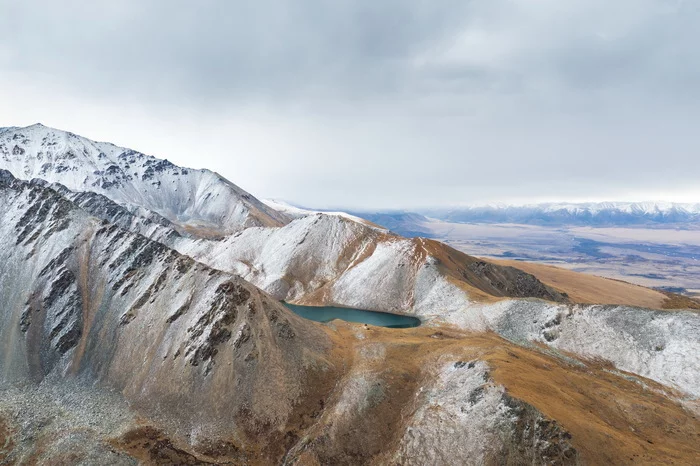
(660, 345)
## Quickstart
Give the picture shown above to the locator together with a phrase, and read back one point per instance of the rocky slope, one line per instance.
(87, 300)
(198, 201)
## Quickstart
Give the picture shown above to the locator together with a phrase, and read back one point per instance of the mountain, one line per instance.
(331, 260)
(200, 202)
(585, 214)
(117, 349)
(85, 299)
(128, 336)
(318, 258)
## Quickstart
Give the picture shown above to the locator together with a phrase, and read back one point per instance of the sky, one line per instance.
(371, 104)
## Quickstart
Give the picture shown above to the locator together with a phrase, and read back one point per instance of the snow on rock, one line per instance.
(386, 278)
(198, 200)
(85, 299)
(661, 345)
(331, 260)
(292, 211)
(435, 295)
(463, 414)
(288, 261)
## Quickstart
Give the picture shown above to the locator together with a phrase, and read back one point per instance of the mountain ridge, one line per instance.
(191, 198)
(592, 214)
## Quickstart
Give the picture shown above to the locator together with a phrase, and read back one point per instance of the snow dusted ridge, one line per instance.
(330, 260)
(292, 211)
(464, 414)
(85, 298)
(600, 213)
(337, 260)
(660, 345)
(198, 201)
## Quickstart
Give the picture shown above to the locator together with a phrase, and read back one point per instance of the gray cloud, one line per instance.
(363, 103)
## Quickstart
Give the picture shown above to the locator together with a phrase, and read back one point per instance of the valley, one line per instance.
(662, 256)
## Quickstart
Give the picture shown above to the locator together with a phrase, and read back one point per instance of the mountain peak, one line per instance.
(198, 200)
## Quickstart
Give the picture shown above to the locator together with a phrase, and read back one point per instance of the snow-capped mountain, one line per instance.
(197, 201)
(318, 258)
(590, 214)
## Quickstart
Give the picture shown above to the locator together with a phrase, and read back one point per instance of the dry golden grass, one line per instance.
(612, 418)
(677, 301)
(591, 289)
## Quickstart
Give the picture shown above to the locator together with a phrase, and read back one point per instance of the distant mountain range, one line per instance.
(594, 214)
(588, 214)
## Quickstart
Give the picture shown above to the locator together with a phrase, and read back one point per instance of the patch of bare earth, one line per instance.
(6, 443)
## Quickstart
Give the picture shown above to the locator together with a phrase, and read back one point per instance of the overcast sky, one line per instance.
(376, 103)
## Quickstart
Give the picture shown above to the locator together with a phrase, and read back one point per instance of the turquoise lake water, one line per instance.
(328, 313)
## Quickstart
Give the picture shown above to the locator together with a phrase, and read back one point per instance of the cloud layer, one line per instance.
(376, 104)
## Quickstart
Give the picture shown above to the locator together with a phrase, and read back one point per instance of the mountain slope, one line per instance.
(88, 300)
(331, 260)
(591, 289)
(198, 201)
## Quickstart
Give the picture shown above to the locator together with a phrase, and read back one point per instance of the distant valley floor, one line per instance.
(668, 259)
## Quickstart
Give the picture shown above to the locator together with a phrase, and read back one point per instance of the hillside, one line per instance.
(590, 289)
